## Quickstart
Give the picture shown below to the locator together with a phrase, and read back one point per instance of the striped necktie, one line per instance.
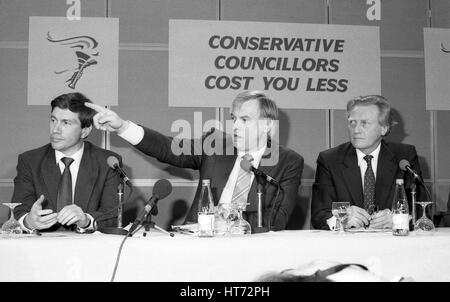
(242, 186)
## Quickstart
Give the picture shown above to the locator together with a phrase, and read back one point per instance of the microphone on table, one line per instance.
(113, 163)
(405, 166)
(161, 190)
(261, 179)
(247, 166)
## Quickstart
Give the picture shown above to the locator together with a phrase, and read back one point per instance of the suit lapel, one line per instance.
(352, 177)
(253, 206)
(87, 175)
(223, 165)
(51, 175)
(386, 172)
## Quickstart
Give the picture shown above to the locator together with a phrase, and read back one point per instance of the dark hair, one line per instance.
(75, 103)
(385, 118)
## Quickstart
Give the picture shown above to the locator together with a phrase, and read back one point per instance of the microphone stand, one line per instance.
(119, 209)
(259, 227)
(413, 204)
(117, 230)
(148, 224)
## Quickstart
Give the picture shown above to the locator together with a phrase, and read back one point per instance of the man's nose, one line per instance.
(357, 128)
(237, 125)
(56, 128)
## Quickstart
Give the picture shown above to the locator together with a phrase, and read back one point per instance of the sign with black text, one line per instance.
(307, 66)
(437, 68)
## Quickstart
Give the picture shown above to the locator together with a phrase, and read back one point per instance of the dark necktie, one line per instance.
(65, 185)
(369, 186)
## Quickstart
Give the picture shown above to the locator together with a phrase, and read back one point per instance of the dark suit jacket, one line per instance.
(338, 178)
(217, 168)
(95, 190)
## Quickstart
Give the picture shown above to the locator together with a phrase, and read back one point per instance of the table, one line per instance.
(158, 257)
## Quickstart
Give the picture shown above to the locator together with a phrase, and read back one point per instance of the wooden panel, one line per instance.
(443, 195)
(401, 25)
(440, 13)
(143, 91)
(300, 11)
(443, 144)
(5, 196)
(305, 132)
(14, 14)
(144, 21)
(403, 84)
(301, 216)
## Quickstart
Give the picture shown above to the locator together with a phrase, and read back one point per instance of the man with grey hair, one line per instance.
(254, 117)
(362, 171)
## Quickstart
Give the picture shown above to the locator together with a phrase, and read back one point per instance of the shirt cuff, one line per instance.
(22, 224)
(89, 227)
(133, 133)
(332, 223)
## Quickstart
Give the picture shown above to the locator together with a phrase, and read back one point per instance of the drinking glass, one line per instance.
(11, 226)
(240, 226)
(340, 211)
(423, 224)
(225, 215)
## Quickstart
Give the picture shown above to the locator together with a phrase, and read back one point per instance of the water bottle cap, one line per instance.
(399, 181)
(205, 182)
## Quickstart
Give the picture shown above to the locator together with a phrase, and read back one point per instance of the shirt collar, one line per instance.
(374, 153)
(76, 156)
(257, 155)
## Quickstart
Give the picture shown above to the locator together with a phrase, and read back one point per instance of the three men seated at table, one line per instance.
(361, 171)
(67, 183)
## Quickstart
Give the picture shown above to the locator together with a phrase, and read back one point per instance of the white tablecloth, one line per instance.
(158, 257)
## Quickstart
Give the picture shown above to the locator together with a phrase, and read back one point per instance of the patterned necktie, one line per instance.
(369, 185)
(242, 184)
(65, 185)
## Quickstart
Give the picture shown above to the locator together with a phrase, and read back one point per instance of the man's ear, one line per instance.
(384, 130)
(86, 131)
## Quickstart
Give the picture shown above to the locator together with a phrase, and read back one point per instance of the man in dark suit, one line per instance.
(56, 197)
(218, 157)
(362, 171)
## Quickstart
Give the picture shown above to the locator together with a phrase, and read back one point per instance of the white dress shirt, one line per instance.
(362, 164)
(228, 190)
(74, 168)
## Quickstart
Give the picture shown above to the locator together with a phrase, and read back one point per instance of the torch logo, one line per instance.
(444, 49)
(85, 51)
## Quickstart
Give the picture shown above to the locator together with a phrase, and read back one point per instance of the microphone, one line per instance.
(247, 166)
(113, 163)
(405, 166)
(161, 190)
